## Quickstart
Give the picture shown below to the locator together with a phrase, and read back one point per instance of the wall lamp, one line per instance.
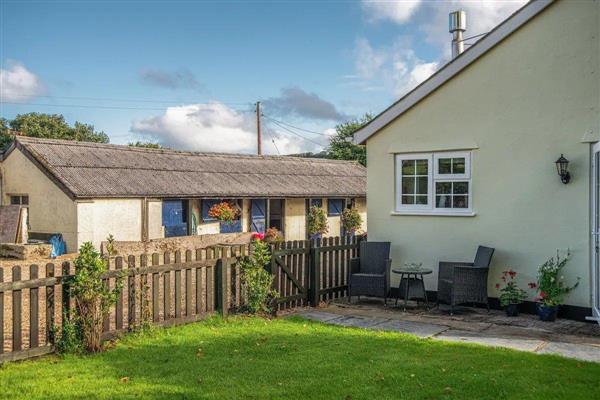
(562, 165)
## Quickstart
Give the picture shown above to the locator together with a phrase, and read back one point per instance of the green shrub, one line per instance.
(317, 221)
(256, 279)
(351, 220)
(93, 298)
(69, 338)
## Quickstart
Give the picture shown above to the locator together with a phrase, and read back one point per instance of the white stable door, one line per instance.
(595, 247)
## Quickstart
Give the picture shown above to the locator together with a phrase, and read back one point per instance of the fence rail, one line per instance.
(165, 289)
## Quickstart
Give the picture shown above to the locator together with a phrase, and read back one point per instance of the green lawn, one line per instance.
(251, 358)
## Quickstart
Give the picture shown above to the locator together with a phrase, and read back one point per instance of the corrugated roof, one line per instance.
(89, 170)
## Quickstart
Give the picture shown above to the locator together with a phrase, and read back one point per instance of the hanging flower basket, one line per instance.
(224, 211)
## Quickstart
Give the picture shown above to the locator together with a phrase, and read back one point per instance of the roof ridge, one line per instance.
(121, 147)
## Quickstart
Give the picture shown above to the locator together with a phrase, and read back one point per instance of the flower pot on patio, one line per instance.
(547, 313)
(512, 310)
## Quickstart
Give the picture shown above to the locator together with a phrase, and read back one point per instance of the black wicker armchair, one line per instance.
(369, 274)
(465, 282)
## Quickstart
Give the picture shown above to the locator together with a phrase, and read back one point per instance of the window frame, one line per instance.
(433, 177)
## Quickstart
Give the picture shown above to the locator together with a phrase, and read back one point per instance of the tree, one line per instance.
(148, 145)
(340, 146)
(50, 126)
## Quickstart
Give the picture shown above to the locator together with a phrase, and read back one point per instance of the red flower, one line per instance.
(532, 285)
(258, 236)
(542, 294)
(512, 273)
(497, 286)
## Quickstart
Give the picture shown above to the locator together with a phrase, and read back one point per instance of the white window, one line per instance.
(433, 183)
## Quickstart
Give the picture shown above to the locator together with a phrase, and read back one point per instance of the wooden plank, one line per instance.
(200, 285)
(337, 266)
(177, 286)
(16, 311)
(210, 282)
(167, 289)
(145, 313)
(155, 290)
(1, 315)
(25, 354)
(34, 315)
(106, 319)
(119, 304)
(49, 306)
(66, 290)
(315, 274)
(188, 285)
(131, 293)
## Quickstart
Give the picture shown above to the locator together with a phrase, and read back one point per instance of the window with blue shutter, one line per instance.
(334, 207)
(174, 217)
(316, 202)
(258, 215)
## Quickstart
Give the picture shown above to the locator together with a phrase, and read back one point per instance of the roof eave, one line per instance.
(451, 69)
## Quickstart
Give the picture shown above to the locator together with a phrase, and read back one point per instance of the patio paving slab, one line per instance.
(572, 350)
(422, 330)
(318, 315)
(491, 340)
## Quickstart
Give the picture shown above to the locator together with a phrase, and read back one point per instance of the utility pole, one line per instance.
(258, 131)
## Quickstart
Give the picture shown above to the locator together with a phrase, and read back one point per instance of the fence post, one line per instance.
(221, 285)
(315, 274)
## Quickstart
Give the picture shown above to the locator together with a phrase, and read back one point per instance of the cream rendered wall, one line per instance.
(333, 222)
(50, 209)
(361, 206)
(155, 228)
(100, 217)
(295, 219)
(524, 103)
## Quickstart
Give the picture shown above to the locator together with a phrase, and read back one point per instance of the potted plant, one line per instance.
(273, 235)
(510, 294)
(551, 286)
(351, 220)
(224, 211)
(317, 222)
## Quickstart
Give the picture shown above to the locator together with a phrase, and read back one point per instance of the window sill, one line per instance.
(435, 213)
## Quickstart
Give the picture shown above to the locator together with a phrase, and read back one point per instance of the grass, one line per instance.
(252, 358)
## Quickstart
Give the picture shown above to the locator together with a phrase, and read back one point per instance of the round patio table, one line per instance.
(411, 282)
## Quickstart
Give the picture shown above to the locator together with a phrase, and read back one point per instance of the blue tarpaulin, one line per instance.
(58, 245)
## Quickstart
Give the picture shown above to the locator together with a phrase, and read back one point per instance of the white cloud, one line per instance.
(397, 11)
(18, 84)
(395, 68)
(214, 127)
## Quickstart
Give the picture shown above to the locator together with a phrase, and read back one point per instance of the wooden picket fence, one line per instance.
(165, 289)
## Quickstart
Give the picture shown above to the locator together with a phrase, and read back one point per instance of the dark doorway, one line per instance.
(276, 214)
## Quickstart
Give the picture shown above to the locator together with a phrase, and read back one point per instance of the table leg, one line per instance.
(424, 293)
(406, 292)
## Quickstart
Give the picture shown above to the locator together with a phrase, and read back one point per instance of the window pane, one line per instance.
(15, 200)
(408, 185)
(443, 187)
(422, 167)
(444, 166)
(408, 167)
(422, 185)
(25, 200)
(421, 200)
(461, 187)
(458, 165)
(408, 199)
(460, 202)
(443, 201)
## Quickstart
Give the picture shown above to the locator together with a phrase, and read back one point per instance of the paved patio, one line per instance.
(567, 338)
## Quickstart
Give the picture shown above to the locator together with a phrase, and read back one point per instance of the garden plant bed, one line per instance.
(293, 358)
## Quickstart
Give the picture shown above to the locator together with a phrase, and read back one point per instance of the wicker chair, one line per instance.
(465, 282)
(369, 274)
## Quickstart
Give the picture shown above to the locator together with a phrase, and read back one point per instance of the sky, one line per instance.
(187, 74)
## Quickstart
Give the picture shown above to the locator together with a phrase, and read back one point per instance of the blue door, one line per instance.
(174, 217)
(257, 215)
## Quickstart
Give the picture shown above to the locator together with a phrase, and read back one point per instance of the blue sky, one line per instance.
(184, 73)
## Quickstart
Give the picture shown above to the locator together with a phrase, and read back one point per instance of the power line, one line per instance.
(128, 100)
(297, 134)
(295, 127)
(273, 141)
